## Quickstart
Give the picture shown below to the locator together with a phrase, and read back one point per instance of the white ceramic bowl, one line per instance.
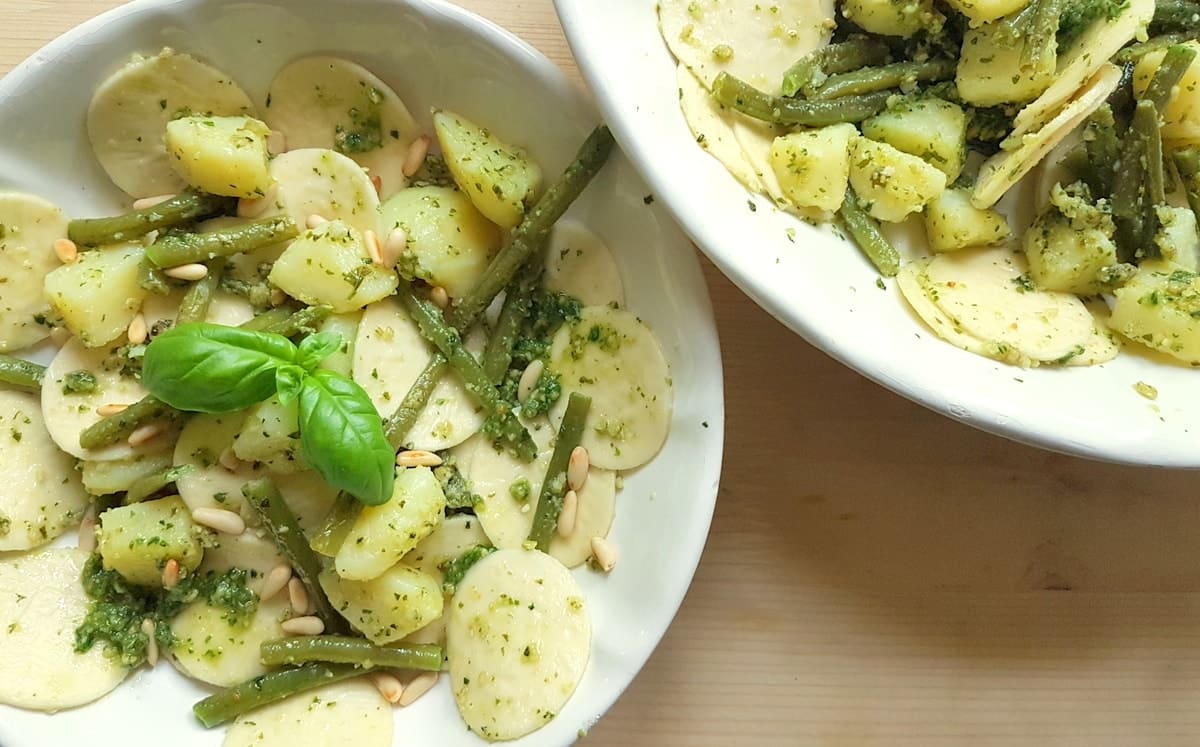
(821, 287)
(431, 53)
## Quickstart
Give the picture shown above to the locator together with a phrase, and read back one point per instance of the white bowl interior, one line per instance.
(432, 54)
(822, 287)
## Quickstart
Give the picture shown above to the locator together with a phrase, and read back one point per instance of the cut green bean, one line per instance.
(1103, 149)
(529, 235)
(268, 319)
(336, 649)
(1176, 16)
(508, 429)
(144, 487)
(185, 207)
(1145, 123)
(402, 420)
(1135, 52)
(1174, 66)
(232, 702)
(1039, 33)
(120, 426)
(173, 249)
(497, 356)
(279, 520)
(1129, 188)
(866, 235)
(302, 322)
(195, 303)
(152, 279)
(1187, 163)
(337, 525)
(21, 373)
(812, 69)
(745, 98)
(554, 486)
(874, 79)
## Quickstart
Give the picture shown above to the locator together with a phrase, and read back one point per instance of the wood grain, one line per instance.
(879, 575)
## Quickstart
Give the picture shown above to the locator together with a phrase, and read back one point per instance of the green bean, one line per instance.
(302, 322)
(528, 236)
(336, 649)
(740, 95)
(337, 525)
(268, 319)
(144, 487)
(232, 702)
(1145, 123)
(874, 79)
(1135, 52)
(184, 207)
(517, 302)
(1039, 33)
(1103, 149)
(195, 303)
(812, 69)
(402, 420)
(173, 249)
(866, 234)
(21, 373)
(1175, 15)
(554, 486)
(1129, 185)
(1174, 66)
(116, 427)
(279, 520)
(1187, 163)
(152, 279)
(449, 342)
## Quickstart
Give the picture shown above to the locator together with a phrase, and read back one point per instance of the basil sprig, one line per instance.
(215, 369)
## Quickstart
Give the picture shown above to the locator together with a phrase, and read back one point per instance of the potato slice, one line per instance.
(316, 181)
(98, 295)
(383, 534)
(389, 607)
(454, 535)
(210, 484)
(518, 641)
(29, 227)
(129, 112)
(389, 355)
(751, 40)
(270, 435)
(712, 126)
(500, 179)
(41, 604)
(613, 357)
(209, 648)
(329, 102)
(450, 243)
(253, 553)
(329, 265)
(344, 713)
(983, 11)
(579, 264)
(43, 495)
(221, 155)
(911, 281)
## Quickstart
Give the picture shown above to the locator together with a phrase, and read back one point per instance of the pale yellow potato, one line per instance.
(29, 226)
(329, 265)
(221, 155)
(502, 180)
(1161, 310)
(930, 128)
(383, 534)
(983, 11)
(813, 166)
(137, 540)
(891, 184)
(902, 18)
(952, 223)
(389, 607)
(98, 296)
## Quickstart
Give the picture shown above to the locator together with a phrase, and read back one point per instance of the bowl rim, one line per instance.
(558, 87)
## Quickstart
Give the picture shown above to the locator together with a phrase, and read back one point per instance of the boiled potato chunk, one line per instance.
(29, 226)
(449, 241)
(952, 222)
(893, 17)
(389, 607)
(137, 540)
(500, 179)
(1178, 239)
(983, 11)
(115, 476)
(932, 129)
(98, 295)
(813, 165)
(221, 155)
(890, 183)
(383, 534)
(270, 435)
(329, 265)
(990, 70)
(1064, 258)
(1161, 310)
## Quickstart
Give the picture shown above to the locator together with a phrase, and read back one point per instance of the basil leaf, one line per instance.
(288, 381)
(316, 348)
(342, 437)
(212, 368)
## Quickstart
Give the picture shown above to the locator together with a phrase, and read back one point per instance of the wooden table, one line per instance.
(880, 575)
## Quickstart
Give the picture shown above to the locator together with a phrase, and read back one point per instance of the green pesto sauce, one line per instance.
(454, 485)
(456, 569)
(79, 382)
(365, 130)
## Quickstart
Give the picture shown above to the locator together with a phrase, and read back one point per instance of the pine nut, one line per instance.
(137, 332)
(439, 296)
(107, 411)
(66, 251)
(276, 143)
(276, 581)
(307, 625)
(220, 520)
(314, 221)
(377, 182)
(577, 468)
(146, 434)
(278, 297)
(297, 596)
(152, 645)
(60, 336)
(604, 553)
(229, 460)
(529, 379)
(393, 248)
(418, 458)
(148, 202)
(170, 574)
(191, 272)
(570, 511)
(87, 531)
(388, 686)
(254, 207)
(415, 158)
(150, 238)
(419, 685)
(374, 248)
